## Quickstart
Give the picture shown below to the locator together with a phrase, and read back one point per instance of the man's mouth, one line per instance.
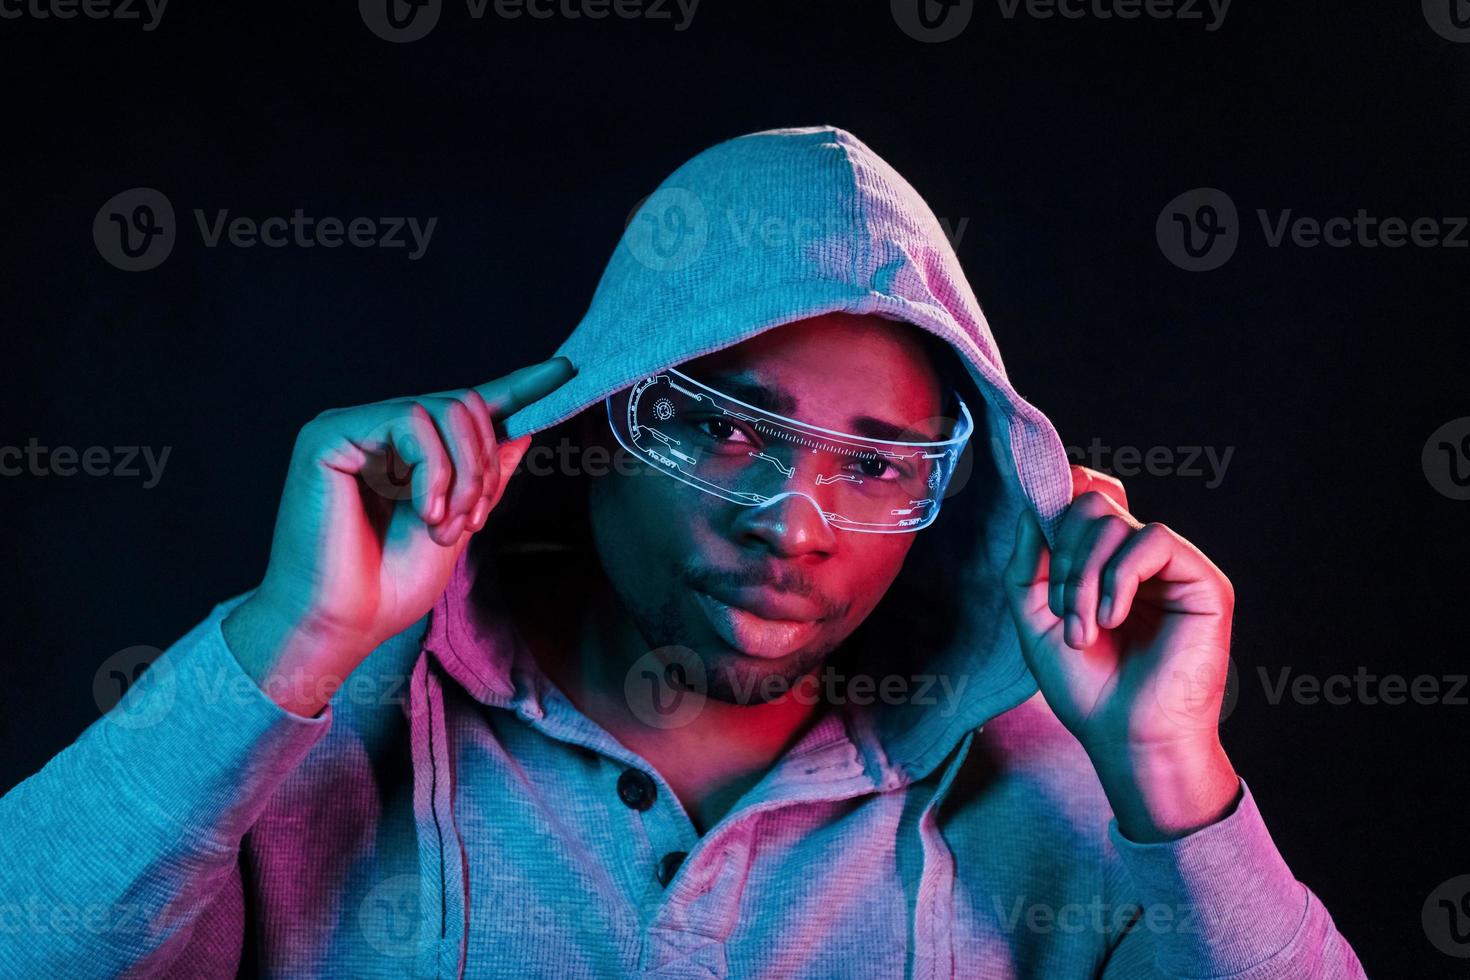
(761, 622)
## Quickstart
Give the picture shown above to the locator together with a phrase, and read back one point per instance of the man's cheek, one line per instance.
(874, 567)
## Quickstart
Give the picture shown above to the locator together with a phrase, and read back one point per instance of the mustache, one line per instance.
(781, 578)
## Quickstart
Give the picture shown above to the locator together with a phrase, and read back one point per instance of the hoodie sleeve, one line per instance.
(1221, 902)
(130, 836)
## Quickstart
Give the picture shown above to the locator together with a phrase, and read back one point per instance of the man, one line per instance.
(829, 665)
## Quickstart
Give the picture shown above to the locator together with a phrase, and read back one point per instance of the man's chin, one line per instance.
(736, 678)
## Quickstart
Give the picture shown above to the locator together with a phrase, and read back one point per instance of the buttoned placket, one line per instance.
(689, 893)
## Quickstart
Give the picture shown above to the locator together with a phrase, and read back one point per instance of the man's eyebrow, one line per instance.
(866, 425)
(776, 400)
(781, 402)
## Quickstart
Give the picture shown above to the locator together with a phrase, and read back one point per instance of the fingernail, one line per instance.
(1105, 610)
(449, 533)
(1075, 638)
(482, 510)
(436, 510)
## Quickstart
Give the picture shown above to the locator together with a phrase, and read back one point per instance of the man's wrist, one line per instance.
(1165, 792)
(283, 657)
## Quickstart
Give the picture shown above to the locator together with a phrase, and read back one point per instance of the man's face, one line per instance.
(762, 595)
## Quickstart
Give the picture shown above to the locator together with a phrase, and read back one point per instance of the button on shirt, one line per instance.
(586, 845)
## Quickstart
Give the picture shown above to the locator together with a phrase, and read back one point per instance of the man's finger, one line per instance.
(1085, 480)
(1143, 556)
(508, 395)
(1083, 585)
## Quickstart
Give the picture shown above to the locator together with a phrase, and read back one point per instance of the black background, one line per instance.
(1059, 141)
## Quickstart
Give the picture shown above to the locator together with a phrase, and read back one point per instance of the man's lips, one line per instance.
(778, 625)
(769, 603)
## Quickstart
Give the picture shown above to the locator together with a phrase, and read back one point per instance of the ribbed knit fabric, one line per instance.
(451, 813)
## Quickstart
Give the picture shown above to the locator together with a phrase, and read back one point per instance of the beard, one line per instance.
(722, 674)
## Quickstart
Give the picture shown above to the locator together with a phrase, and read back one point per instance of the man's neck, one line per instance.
(711, 761)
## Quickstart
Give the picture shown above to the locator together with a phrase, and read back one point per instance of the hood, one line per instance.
(785, 224)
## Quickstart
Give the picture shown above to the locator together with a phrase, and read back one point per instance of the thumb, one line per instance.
(1027, 580)
(1030, 558)
(509, 455)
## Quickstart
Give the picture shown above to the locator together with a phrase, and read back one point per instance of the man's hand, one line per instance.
(380, 501)
(1126, 628)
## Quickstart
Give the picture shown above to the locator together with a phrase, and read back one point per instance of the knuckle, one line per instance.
(472, 479)
(321, 420)
(311, 435)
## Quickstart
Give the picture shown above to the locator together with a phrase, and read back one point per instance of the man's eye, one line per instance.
(721, 430)
(877, 468)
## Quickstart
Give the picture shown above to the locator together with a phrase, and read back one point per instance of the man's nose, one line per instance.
(789, 524)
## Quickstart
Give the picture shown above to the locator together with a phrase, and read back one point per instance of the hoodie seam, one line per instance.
(862, 255)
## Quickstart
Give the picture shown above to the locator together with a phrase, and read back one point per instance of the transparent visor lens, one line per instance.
(749, 456)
